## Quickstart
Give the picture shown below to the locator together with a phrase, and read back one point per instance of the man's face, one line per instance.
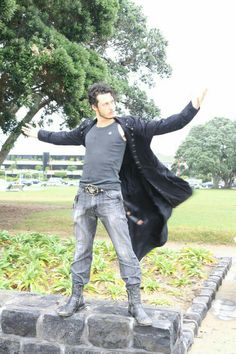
(106, 107)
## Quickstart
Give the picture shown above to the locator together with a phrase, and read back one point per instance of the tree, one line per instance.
(210, 149)
(51, 51)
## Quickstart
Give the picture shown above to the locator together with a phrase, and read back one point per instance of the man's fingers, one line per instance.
(198, 99)
(30, 130)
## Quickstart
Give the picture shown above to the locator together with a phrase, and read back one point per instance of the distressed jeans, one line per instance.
(108, 207)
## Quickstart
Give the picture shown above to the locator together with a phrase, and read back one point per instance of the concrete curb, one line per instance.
(195, 314)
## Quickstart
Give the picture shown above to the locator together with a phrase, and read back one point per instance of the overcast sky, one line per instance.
(201, 52)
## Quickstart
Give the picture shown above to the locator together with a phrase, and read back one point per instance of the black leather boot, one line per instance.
(135, 306)
(75, 302)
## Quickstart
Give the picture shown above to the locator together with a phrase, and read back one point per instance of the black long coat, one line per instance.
(149, 189)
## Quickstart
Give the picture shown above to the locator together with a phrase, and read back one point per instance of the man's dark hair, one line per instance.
(98, 89)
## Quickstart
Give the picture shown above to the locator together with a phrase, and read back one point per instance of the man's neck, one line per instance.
(104, 122)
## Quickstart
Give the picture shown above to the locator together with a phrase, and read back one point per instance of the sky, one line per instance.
(201, 52)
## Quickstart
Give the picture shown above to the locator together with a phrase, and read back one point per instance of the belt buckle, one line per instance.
(91, 189)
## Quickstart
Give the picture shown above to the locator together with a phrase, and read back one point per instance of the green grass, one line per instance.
(209, 216)
(211, 208)
(52, 221)
(52, 195)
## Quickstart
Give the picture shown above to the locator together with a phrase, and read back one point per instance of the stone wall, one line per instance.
(29, 325)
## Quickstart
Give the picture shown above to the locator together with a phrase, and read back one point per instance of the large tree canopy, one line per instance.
(52, 50)
(210, 149)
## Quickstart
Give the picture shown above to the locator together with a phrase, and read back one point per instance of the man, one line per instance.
(120, 169)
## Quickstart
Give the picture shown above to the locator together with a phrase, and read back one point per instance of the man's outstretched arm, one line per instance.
(176, 121)
(72, 137)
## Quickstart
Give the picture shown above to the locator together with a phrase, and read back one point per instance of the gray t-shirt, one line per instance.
(105, 149)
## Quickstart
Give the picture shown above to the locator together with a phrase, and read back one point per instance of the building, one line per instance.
(16, 164)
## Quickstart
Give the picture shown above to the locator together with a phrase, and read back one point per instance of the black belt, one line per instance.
(92, 189)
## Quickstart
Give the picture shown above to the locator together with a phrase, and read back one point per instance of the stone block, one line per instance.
(7, 296)
(160, 338)
(92, 350)
(109, 331)
(200, 309)
(9, 345)
(62, 330)
(112, 310)
(188, 339)
(127, 351)
(37, 347)
(208, 292)
(20, 322)
(210, 285)
(83, 350)
(205, 300)
(167, 315)
(225, 262)
(193, 316)
(216, 279)
(221, 269)
(180, 348)
(40, 302)
(190, 324)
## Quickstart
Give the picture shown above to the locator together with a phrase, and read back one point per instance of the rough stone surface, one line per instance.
(193, 316)
(210, 284)
(188, 338)
(62, 330)
(37, 301)
(109, 331)
(112, 310)
(40, 348)
(207, 292)
(155, 339)
(216, 279)
(84, 350)
(7, 296)
(165, 318)
(205, 300)
(9, 345)
(20, 322)
(191, 324)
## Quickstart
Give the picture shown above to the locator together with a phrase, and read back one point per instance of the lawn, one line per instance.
(208, 216)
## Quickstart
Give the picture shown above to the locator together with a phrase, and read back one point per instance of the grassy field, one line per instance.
(208, 216)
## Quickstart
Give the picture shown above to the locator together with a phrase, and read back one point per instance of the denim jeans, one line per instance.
(108, 207)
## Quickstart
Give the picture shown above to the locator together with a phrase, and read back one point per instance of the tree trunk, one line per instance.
(216, 180)
(229, 181)
(9, 143)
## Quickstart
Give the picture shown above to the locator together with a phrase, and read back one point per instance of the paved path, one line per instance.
(217, 334)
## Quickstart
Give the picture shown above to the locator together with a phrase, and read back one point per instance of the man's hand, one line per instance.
(197, 101)
(30, 131)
